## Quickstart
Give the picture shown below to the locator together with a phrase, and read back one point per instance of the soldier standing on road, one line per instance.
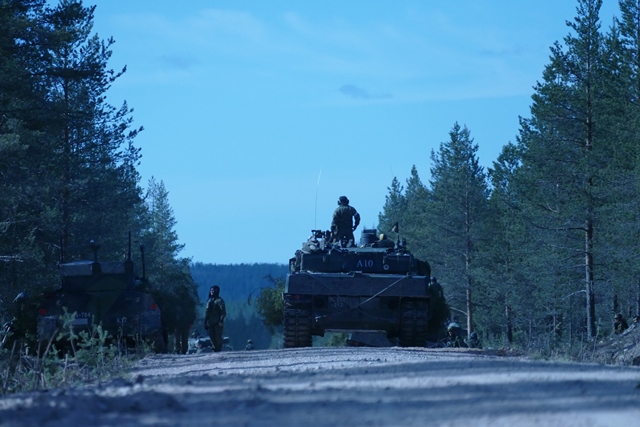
(185, 316)
(342, 226)
(214, 318)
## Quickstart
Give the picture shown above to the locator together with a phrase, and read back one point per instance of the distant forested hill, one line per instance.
(236, 281)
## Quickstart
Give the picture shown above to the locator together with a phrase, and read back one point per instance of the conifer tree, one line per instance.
(505, 255)
(394, 210)
(67, 157)
(169, 274)
(457, 210)
(24, 258)
(417, 230)
(160, 234)
(88, 145)
(564, 148)
(623, 46)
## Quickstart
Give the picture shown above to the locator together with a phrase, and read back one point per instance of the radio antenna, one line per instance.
(315, 218)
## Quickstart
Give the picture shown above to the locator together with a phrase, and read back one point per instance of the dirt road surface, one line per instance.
(342, 387)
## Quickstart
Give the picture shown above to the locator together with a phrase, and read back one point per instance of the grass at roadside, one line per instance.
(68, 359)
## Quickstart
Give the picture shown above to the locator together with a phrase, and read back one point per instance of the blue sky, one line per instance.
(258, 115)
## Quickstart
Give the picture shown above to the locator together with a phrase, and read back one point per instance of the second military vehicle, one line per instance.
(371, 287)
(106, 293)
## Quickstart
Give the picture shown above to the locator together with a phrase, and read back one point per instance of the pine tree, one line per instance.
(67, 158)
(417, 229)
(173, 286)
(624, 121)
(457, 211)
(87, 149)
(507, 272)
(394, 207)
(160, 235)
(564, 151)
(23, 260)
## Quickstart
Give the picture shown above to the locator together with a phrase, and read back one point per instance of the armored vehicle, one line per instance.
(369, 287)
(106, 293)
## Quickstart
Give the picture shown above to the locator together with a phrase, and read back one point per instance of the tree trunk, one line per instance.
(469, 310)
(591, 297)
(507, 310)
(638, 299)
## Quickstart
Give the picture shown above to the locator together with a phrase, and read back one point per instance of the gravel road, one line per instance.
(343, 387)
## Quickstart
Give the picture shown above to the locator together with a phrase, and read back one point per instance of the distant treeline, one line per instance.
(236, 281)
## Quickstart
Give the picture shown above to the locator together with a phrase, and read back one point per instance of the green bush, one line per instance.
(269, 304)
(69, 358)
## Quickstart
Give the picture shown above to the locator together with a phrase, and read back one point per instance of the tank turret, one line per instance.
(319, 256)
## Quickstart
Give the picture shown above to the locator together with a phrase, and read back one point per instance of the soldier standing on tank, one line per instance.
(342, 226)
(214, 318)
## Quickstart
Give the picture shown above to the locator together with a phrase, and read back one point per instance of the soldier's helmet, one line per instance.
(473, 335)
(343, 200)
(453, 326)
(434, 279)
(618, 317)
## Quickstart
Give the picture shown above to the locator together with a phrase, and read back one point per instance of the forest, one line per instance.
(538, 251)
(68, 161)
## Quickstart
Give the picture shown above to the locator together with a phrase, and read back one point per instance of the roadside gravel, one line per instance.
(343, 387)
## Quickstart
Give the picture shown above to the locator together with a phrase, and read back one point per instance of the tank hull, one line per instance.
(105, 294)
(318, 302)
(129, 316)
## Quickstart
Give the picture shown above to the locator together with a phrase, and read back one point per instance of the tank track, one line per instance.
(297, 322)
(413, 323)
